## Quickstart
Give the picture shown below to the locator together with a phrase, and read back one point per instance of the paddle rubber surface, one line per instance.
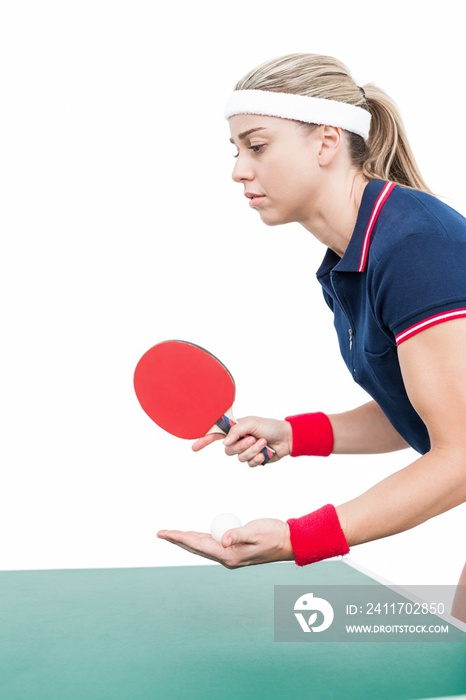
(183, 388)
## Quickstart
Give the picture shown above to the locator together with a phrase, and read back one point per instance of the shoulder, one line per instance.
(417, 263)
(409, 213)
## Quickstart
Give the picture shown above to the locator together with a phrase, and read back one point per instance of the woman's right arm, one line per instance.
(363, 430)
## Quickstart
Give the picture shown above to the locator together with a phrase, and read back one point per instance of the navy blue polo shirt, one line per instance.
(404, 270)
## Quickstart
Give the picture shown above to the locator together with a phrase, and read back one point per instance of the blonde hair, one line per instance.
(387, 154)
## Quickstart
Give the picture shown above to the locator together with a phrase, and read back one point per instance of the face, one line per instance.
(277, 163)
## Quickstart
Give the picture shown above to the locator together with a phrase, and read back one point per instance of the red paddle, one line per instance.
(186, 390)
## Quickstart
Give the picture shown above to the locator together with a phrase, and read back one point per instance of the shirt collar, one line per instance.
(354, 259)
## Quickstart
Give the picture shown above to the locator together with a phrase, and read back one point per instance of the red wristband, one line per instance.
(312, 434)
(317, 536)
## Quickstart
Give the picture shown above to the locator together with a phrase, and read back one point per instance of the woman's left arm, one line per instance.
(434, 370)
(433, 364)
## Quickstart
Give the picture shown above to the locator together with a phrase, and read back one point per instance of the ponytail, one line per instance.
(387, 153)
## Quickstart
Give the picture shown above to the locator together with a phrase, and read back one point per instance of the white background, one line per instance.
(121, 227)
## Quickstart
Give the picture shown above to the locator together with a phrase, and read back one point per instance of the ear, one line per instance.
(330, 143)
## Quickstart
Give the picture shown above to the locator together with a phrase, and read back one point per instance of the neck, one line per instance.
(334, 217)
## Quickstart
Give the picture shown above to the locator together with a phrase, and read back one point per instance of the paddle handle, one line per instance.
(225, 424)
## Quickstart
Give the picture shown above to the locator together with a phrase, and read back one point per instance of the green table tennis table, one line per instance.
(196, 632)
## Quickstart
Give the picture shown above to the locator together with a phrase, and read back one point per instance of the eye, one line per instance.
(258, 148)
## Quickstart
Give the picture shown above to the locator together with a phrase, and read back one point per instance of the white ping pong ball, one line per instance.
(221, 523)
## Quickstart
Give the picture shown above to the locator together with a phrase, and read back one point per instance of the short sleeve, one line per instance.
(419, 283)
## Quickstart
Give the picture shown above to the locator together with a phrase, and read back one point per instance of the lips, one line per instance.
(254, 198)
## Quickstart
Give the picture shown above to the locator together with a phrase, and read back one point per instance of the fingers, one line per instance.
(195, 542)
(265, 432)
(248, 438)
(206, 440)
(238, 535)
(239, 430)
(204, 545)
(248, 449)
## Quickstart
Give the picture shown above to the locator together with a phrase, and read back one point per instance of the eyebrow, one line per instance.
(249, 131)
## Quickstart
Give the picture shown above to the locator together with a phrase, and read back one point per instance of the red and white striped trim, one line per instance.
(379, 202)
(428, 322)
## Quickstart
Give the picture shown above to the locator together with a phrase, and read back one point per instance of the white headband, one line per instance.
(312, 110)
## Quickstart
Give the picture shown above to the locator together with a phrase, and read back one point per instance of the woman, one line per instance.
(314, 148)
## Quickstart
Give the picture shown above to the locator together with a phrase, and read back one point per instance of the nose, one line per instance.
(242, 170)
